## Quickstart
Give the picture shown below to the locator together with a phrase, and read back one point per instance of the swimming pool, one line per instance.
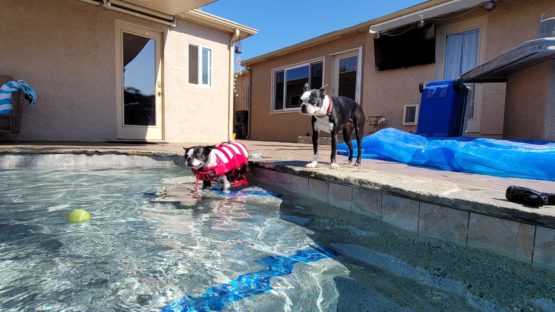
(152, 244)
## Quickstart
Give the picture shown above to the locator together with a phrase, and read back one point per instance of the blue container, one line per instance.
(442, 107)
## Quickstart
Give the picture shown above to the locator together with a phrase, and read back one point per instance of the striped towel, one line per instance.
(6, 95)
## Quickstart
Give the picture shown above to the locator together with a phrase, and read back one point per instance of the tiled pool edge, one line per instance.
(477, 225)
(89, 159)
(521, 233)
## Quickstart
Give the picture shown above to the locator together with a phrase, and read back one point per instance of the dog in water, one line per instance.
(225, 163)
(333, 114)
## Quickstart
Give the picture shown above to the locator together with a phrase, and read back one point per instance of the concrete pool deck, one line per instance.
(465, 208)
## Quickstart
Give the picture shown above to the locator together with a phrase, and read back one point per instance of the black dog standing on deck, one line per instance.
(332, 114)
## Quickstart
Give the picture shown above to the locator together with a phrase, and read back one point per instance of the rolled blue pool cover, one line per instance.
(520, 159)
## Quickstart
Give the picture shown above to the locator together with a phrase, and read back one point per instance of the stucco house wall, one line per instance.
(288, 125)
(66, 50)
(195, 112)
(386, 92)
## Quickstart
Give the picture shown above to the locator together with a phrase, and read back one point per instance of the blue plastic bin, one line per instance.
(442, 107)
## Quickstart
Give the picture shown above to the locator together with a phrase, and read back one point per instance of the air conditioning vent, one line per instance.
(410, 115)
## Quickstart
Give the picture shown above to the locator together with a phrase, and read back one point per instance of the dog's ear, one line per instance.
(207, 149)
(306, 86)
(185, 149)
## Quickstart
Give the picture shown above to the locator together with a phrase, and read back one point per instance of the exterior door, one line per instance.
(346, 75)
(139, 83)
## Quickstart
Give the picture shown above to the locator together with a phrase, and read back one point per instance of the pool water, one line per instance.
(153, 244)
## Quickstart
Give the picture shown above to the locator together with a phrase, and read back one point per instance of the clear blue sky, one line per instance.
(281, 23)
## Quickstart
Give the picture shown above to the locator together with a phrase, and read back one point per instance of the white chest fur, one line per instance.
(323, 124)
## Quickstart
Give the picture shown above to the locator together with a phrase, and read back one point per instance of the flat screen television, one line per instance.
(405, 48)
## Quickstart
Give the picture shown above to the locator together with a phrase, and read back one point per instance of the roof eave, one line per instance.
(218, 23)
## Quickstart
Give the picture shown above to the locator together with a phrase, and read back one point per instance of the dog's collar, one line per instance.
(330, 107)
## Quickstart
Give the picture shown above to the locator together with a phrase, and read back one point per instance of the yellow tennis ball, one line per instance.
(78, 215)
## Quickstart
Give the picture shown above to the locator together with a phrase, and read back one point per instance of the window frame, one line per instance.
(417, 110)
(199, 65)
(307, 63)
(471, 125)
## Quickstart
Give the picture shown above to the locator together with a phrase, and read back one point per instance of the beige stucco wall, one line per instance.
(287, 126)
(386, 92)
(66, 51)
(531, 101)
(196, 113)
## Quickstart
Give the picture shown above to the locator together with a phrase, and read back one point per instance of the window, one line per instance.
(348, 77)
(410, 115)
(200, 65)
(289, 84)
(461, 55)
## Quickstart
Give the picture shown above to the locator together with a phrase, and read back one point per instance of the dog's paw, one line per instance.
(357, 163)
(334, 166)
(312, 164)
(347, 162)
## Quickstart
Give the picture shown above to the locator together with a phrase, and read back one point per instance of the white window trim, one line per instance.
(335, 76)
(405, 122)
(199, 63)
(284, 69)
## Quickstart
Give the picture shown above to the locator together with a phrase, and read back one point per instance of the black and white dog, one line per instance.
(225, 163)
(333, 114)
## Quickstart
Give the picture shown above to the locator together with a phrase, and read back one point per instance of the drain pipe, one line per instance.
(234, 38)
(249, 102)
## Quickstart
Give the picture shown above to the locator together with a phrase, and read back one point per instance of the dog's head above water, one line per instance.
(313, 102)
(197, 157)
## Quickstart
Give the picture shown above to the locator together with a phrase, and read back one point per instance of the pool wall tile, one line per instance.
(178, 161)
(257, 173)
(400, 211)
(299, 185)
(318, 190)
(282, 179)
(157, 162)
(263, 176)
(340, 195)
(80, 161)
(20, 161)
(135, 161)
(510, 238)
(367, 202)
(100, 162)
(45, 161)
(544, 247)
(271, 176)
(268, 176)
(118, 161)
(443, 223)
(5, 161)
(63, 161)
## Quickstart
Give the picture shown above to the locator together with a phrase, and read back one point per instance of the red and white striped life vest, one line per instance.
(229, 156)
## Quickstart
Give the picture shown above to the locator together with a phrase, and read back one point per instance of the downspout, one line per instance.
(234, 38)
(249, 103)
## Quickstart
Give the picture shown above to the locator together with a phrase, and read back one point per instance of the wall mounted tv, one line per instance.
(405, 48)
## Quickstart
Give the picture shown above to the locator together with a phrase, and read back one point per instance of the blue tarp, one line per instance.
(521, 159)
